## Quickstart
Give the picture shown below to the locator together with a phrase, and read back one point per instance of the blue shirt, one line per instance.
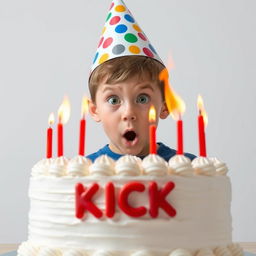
(163, 151)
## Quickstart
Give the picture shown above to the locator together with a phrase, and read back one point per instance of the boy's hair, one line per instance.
(122, 68)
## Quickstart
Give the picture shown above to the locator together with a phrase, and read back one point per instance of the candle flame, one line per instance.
(85, 106)
(152, 114)
(51, 119)
(176, 106)
(64, 111)
(200, 105)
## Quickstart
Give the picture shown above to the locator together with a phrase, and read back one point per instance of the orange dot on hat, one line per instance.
(134, 49)
(103, 58)
(137, 28)
(120, 8)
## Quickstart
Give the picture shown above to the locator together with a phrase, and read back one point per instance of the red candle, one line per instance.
(201, 127)
(63, 115)
(82, 134)
(49, 137)
(180, 137)
(152, 131)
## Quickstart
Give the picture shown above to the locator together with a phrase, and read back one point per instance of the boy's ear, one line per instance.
(164, 111)
(93, 111)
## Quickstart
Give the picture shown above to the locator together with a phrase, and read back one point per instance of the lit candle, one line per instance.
(202, 122)
(176, 107)
(49, 136)
(82, 134)
(152, 130)
(63, 116)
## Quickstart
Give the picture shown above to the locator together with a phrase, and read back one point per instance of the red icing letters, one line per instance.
(110, 200)
(84, 203)
(123, 199)
(157, 199)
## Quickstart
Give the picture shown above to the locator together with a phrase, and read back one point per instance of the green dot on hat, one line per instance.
(109, 15)
(131, 38)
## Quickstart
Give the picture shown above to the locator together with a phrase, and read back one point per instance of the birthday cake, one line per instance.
(130, 207)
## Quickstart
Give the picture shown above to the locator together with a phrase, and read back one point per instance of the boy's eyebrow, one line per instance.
(109, 88)
(147, 86)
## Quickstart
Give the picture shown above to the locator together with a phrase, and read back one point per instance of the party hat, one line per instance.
(122, 36)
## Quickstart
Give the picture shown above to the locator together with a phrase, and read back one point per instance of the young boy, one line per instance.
(124, 83)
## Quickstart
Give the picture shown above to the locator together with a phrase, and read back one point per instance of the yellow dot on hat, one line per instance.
(137, 28)
(134, 49)
(120, 8)
(103, 58)
(103, 30)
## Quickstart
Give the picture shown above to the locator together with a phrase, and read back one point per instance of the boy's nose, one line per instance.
(129, 114)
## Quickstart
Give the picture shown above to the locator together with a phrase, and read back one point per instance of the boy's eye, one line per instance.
(113, 100)
(142, 99)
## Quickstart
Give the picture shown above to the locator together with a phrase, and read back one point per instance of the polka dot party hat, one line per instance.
(122, 36)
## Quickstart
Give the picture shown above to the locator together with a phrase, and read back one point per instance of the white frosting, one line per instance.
(203, 166)
(102, 166)
(73, 252)
(41, 167)
(103, 253)
(235, 249)
(58, 167)
(27, 249)
(180, 252)
(222, 251)
(205, 252)
(143, 253)
(52, 215)
(78, 166)
(181, 165)
(154, 165)
(221, 168)
(46, 251)
(128, 165)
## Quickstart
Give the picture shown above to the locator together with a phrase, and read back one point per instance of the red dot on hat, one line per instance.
(100, 42)
(142, 36)
(107, 42)
(114, 20)
(111, 6)
(148, 52)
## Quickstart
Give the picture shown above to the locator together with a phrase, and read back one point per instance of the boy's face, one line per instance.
(123, 110)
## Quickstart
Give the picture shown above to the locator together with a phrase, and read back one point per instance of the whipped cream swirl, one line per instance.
(154, 165)
(73, 252)
(27, 249)
(180, 252)
(203, 166)
(205, 252)
(46, 251)
(102, 166)
(58, 167)
(128, 165)
(41, 167)
(103, 253)
(221, 167)
(181, 165)
(142, 253)
(78, 166)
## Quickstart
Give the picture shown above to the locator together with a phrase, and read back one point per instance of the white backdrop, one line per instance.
(47, 47)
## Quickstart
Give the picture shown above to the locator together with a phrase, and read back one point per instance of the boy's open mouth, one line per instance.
(130, 135)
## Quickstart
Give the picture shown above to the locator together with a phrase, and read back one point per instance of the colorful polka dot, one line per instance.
(109, 16)
(131, 38)
(103, 58)
(121, 28)
(148, 52)
(96, 57)
(129, 18)
(120, 8)
(103, 30)
(107, 42)
(134, 49)
(100, 42)
(137, 28)
(111, 6)
(152, 48)
(142, 36)
(118, 49)
(114, 20)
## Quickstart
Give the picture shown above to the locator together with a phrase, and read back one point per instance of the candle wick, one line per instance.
(200, 112)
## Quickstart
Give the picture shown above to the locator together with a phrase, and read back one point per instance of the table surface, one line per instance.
(248, 247)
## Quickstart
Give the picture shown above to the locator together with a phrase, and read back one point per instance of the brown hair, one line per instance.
(122, 68)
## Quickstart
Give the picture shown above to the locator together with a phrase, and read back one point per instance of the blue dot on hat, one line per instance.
(121, 28)
(96, 57)
(129, 18)
(152, 48)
